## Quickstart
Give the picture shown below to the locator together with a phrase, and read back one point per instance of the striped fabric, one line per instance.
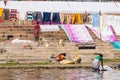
(77, 33)
(105, 34)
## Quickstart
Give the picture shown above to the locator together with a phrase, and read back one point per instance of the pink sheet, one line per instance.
(78, 33)
(110, 37)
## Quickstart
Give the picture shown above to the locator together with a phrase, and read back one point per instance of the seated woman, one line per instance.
(60, 57)
(98, 60)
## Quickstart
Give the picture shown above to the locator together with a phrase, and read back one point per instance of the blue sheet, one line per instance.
(56, 18)
(95, 20)
(46, 17)
(115, 45)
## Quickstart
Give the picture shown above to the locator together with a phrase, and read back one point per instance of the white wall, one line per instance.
(62, 6)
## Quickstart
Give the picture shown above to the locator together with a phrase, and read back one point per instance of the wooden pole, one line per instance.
(99, 24)
(5, 2)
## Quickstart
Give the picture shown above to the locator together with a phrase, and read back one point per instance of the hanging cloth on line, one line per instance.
(13, 13)
(46, 18)
(95, 20)
(6, 13)
(76, 18)
(55, 18)
(37, 16)
(65, 18)
(1, 12)
(85, 18)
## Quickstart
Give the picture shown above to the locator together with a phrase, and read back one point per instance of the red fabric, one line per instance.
(1, 21)
(60, 57)
(24, 46)
(37, 27)
(36, 33)
(33, 22)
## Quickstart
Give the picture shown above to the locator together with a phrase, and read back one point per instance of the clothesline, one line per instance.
(63, 6)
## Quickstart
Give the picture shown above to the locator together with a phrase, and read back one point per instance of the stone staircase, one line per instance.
(17, 52)
(102, 47)
(26, 32)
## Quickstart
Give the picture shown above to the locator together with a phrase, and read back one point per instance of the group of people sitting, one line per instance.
(62, 59)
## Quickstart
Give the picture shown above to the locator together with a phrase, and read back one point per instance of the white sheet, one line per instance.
(21, 41)
(115, 22)
(47, 28)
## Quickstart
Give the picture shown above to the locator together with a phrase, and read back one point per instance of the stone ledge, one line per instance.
(85, 65)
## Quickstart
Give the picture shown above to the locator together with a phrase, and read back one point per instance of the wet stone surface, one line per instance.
(57, 74)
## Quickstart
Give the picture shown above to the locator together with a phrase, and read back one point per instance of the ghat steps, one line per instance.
(17, 52)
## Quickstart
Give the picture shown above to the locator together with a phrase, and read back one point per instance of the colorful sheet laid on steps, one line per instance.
(106, 20)
(62, 26)
(77, 33)
(115, 22)
(115, 45)
(48, 28)
(105, 34)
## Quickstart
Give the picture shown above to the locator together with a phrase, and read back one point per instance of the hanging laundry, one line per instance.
(95, 19)
(76, 18)
(65, 18)
(29, 15)
(85, 18)
(5, 2)
(115, 22)
(55, 18)
(1, 12)
(73, 19)
(105, 35)
(18, 15)
(46, 18)
(6, 14)
(13, 13)
(106, 29)
(104, 21)
(37, 16)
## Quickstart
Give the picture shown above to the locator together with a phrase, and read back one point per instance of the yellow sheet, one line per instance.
(0, 12)
(76, 18)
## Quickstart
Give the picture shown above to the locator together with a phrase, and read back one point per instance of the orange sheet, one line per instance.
(1, 12)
